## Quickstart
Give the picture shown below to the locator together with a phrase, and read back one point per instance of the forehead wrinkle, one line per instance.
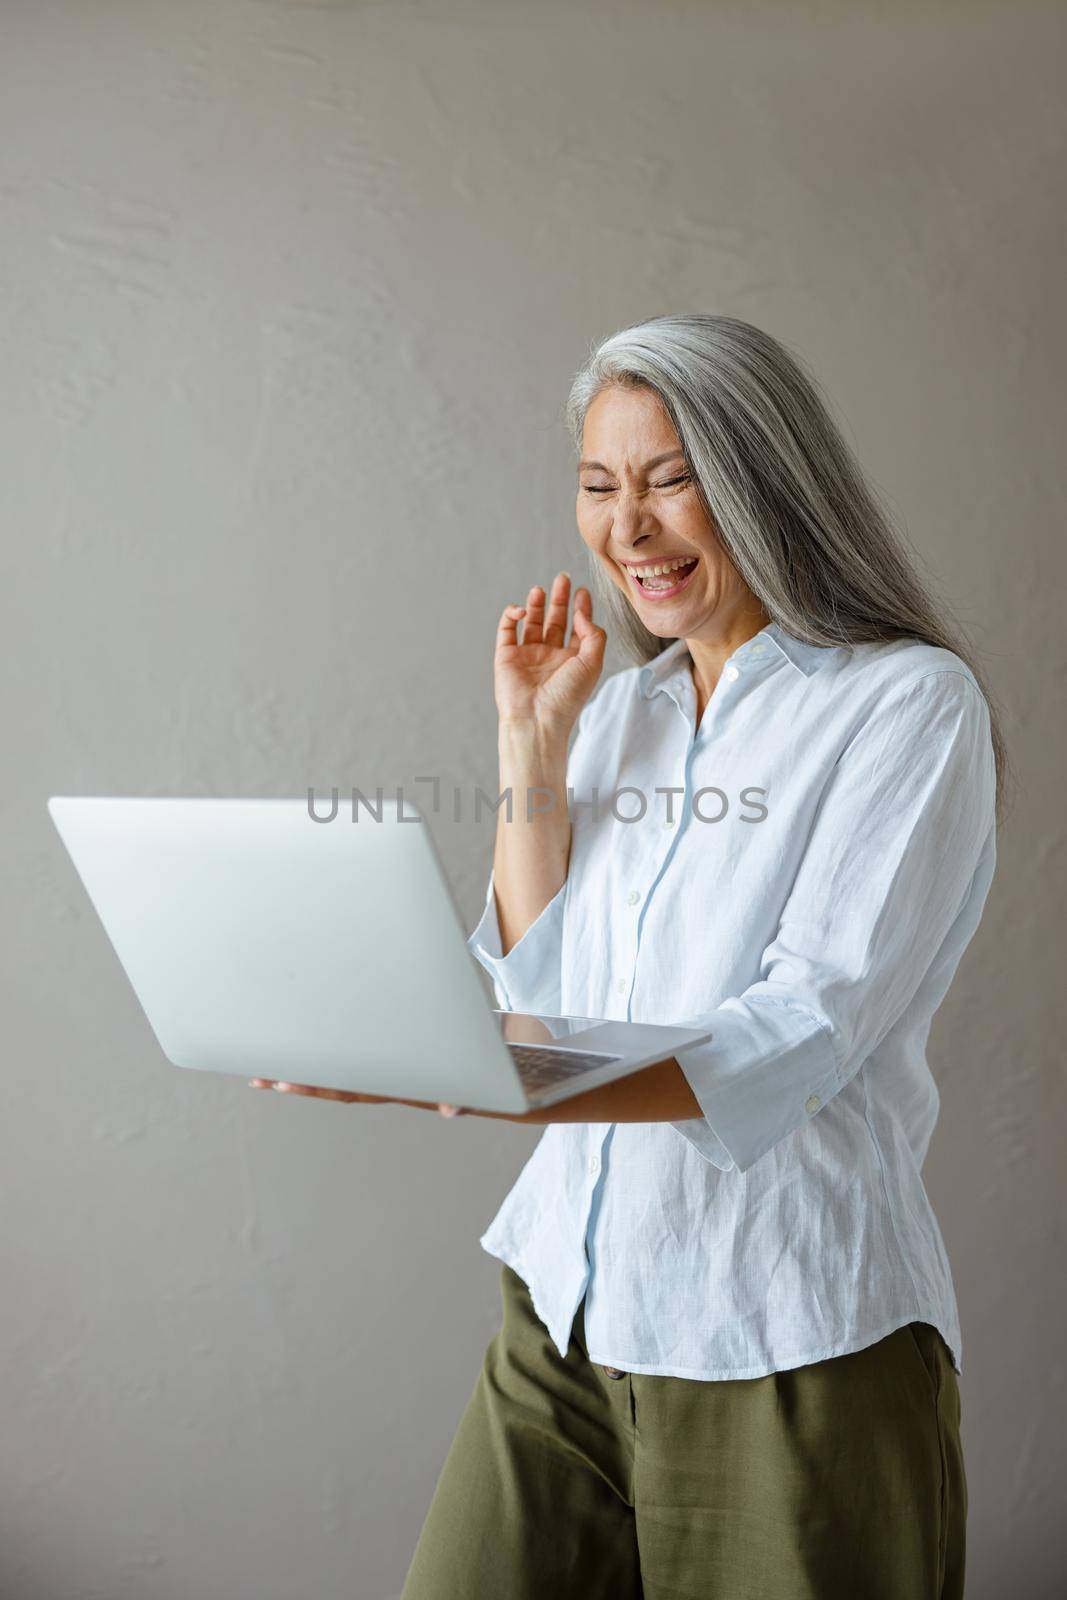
(668, 455)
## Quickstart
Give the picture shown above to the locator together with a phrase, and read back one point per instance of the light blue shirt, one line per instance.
(815, 928)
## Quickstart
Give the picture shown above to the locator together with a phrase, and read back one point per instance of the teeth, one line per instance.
(660, 571)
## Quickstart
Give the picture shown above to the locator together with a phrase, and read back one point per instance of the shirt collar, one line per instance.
(806, 658)
(652, 674)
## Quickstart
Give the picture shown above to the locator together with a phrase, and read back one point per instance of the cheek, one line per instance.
(594, 526)
(717, 569)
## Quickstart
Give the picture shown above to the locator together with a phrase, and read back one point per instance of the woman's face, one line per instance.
(638, 510)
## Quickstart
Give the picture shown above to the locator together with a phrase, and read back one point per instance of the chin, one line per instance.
(659, 629)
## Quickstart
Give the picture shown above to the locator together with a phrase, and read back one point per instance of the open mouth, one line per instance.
(660, 581)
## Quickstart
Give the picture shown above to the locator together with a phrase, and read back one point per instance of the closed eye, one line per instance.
(601, 488)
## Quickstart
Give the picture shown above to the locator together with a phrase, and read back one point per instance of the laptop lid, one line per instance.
(262, 942)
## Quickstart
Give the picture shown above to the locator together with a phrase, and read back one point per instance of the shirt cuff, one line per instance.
(768, 1067)
(528, 978)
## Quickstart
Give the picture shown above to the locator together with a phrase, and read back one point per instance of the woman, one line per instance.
(729, 1350)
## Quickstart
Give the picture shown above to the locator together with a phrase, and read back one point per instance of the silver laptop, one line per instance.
(261, 942)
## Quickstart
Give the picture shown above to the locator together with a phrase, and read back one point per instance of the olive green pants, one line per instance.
(841, 1478)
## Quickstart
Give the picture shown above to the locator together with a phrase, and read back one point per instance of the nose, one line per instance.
(632, 521)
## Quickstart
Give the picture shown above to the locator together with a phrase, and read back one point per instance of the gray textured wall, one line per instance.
(290, 295)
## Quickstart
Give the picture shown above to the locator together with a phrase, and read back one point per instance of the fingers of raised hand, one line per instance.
(507, 627)
(582, 617)
(588, 640)
(535, 615)
(539, 628)
(556, 623)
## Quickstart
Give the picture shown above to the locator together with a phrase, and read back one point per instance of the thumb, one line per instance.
(591, 640)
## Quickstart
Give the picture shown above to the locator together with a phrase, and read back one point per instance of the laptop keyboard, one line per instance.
(540, 1068)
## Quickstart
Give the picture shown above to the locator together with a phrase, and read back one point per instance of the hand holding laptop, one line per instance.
(349, 1099)
(259, 940)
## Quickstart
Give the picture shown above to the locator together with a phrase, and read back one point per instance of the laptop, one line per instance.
(262, 942)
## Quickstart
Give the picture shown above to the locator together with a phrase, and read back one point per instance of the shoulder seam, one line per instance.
(898, 692)
(944, 672)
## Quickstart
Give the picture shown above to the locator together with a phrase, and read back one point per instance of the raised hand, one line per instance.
(545, 678)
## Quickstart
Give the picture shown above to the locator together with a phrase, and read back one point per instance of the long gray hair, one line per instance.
(786, 495)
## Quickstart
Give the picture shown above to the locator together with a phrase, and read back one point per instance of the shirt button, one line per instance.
(812, 1103)
(594, 1164)
(621, 986)
(633, 897)
(668, 822)
(733, 673)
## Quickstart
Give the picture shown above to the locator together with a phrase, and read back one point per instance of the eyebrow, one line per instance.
(656, 461)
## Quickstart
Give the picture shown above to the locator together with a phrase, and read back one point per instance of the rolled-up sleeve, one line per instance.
(529, 977)
(898, 851)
